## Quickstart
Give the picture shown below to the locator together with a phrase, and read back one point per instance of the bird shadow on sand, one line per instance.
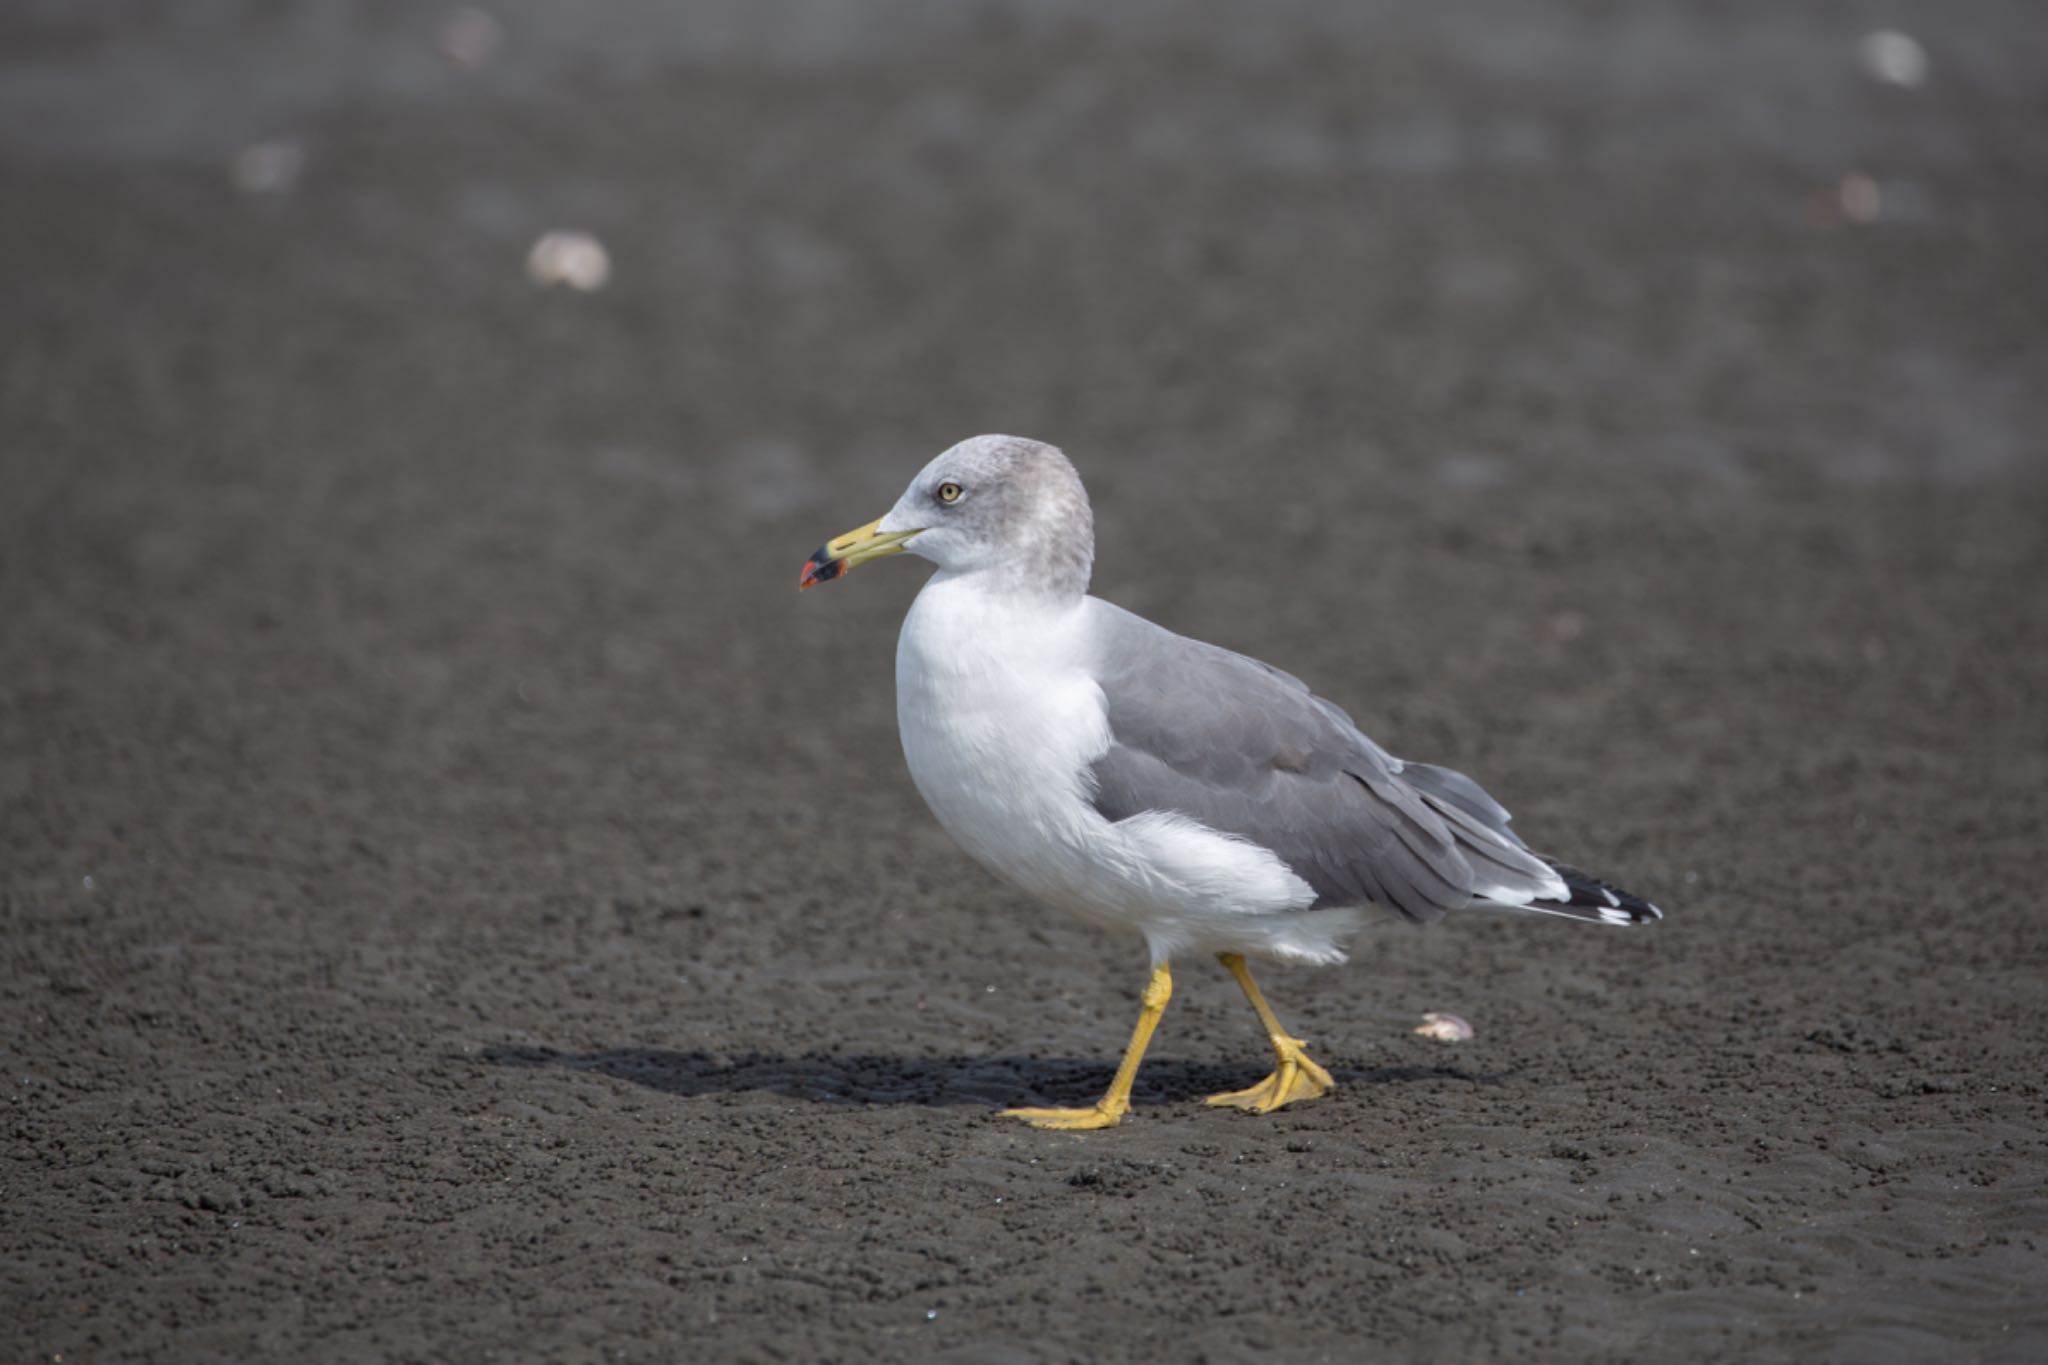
(866, 1079)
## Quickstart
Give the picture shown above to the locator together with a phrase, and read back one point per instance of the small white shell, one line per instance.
(268, 167)
(576, 259)
(1445, 1028)
(471, 38)
(1893, 57)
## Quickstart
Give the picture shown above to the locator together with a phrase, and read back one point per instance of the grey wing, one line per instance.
(1248, 750)
(1451, 787)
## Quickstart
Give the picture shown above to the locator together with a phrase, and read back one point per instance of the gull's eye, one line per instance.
(948, 493)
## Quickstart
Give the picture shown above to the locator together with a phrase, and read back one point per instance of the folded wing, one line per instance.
(1248, 750)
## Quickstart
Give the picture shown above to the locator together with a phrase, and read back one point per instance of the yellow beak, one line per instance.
(850, 551)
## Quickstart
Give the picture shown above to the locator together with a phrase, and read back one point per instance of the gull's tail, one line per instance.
(1590, 899)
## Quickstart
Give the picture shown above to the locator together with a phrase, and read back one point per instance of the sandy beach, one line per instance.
(461, 903)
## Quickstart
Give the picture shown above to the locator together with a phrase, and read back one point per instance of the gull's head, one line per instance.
(1002, 506)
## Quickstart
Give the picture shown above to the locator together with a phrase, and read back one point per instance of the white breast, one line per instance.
(1001, 720)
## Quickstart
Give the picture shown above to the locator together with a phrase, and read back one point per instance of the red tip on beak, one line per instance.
(819, 568)
(856, 547)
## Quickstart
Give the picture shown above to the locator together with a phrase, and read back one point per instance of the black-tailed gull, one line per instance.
(1151, 782)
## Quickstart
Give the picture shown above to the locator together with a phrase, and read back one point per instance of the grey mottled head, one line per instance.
(1005, 506)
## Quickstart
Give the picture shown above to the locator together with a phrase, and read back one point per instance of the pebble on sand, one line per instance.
(471, 37)
(1893, 57)
(268, 167)
(576, 259)
(1445, 1028)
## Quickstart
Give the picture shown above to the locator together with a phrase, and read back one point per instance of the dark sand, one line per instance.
(461, 903)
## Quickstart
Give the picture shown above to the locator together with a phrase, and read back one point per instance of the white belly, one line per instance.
(1000, 723)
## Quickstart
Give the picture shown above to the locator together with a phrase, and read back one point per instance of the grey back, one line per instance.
(1246, 749)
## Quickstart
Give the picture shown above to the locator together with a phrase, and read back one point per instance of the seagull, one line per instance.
(1144, 781)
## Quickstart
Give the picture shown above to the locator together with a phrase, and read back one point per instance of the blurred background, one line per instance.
(413, 418)
(495, 365)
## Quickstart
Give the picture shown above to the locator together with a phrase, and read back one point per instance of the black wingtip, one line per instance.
(1596, 900)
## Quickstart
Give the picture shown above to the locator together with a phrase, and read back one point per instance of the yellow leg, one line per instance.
(1296, 1078)
(1108, 1111)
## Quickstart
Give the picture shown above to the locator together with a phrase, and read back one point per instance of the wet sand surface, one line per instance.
(461, 903)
